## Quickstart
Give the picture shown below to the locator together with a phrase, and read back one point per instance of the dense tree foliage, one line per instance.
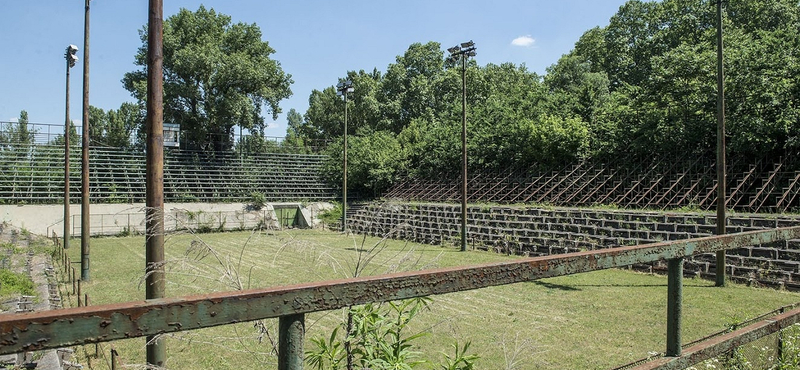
(17, 134)
(217, 75)
(121, 128)
(643, 85)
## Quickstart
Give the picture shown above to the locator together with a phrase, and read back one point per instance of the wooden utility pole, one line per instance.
(85, 232)
(156, 349)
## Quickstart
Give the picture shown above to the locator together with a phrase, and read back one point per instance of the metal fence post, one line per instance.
(780, 349)
(674, 306)
(290, 342)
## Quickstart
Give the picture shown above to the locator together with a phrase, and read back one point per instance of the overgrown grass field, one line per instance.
(587, 321)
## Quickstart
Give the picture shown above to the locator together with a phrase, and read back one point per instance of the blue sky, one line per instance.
(315, 41)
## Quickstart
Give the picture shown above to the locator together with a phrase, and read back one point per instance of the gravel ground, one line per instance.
(37, 267)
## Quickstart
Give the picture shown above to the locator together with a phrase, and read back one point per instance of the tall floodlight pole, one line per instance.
(71, 59)
(85, 235)
(154, 224)
(342, 89)
(462, 52)
(721, 193)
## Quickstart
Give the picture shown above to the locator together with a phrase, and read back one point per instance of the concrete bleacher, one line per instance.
(536, 231)
(35, 174)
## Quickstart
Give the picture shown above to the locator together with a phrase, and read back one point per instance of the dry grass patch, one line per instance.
(592, 320)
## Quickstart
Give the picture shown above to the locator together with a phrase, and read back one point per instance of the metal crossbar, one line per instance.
(93, 324)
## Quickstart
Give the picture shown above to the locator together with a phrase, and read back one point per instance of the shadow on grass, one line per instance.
(568, 288)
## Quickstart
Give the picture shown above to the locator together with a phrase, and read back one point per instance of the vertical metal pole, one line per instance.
(290, 342)
(79, 293)
(344, 164)
(674, 306)
(66, 168)
(780, 350)
(85, 235)
(114, 355)
(721, 192)
(463, 152)
(156, 349)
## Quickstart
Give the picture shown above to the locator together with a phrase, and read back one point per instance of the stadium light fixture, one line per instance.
(462, 53)
(342, 89)
(71, 59)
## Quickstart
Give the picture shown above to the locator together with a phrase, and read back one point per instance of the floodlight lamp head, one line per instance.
(454, 49)
(472, 53)
(339, 85)
(71, 59)
(350, 89)
(348, 83)
(467, 44)
(72, 49)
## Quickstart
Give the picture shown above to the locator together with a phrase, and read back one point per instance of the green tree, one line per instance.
(374, 161)
(294, 138)
(217, 75)
(257, 142)
(115, 128)
(409, 86)
(324, 119)
(74, 139)
(126, 126)
(17, 134)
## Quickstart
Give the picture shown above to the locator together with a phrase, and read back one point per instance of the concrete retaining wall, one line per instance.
(537, 231)
(122, 219)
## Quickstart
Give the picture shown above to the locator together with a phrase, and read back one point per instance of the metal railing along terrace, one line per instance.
(93, 324)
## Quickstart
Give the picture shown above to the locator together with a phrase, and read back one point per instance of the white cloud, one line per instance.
(272, 125)
(524, 41)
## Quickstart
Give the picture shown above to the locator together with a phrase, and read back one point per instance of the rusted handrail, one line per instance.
(93, 324)
(722, 344)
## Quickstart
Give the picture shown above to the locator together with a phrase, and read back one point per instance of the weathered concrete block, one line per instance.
(765, 223)
(770, 253)
(666, 227)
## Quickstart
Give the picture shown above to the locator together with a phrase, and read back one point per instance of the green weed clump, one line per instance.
(376, 336)
(12, 283)
(333, 215)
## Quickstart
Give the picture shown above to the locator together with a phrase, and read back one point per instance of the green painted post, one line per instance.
(674, 306)
(290, 342)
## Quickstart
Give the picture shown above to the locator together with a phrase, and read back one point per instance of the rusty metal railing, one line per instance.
(93, 324)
